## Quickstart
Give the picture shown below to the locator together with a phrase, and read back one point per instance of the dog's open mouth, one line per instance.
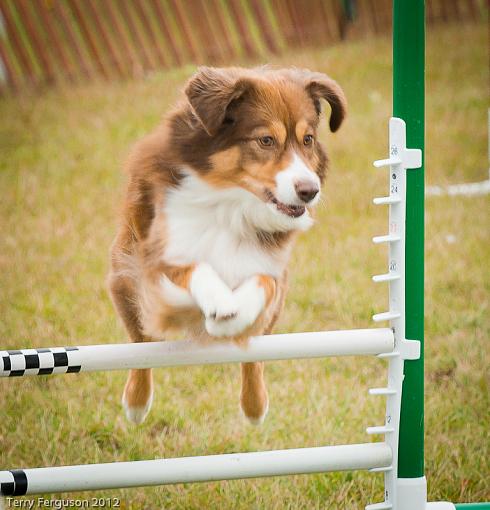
(294, 211)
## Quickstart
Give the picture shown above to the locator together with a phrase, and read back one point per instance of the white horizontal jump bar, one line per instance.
(198, 469)
(185, 352)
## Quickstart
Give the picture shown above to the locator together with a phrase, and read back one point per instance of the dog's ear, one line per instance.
(320, 86)
(210, 91)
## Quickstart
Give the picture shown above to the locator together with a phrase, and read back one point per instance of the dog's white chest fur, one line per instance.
(204, 224)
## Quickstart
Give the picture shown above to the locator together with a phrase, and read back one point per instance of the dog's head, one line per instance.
(257, 130)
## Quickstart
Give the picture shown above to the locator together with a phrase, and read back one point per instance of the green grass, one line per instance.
(61, 153)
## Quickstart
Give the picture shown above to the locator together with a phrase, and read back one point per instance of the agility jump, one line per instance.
(400, 456)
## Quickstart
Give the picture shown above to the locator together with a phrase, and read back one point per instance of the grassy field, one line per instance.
(60, 180)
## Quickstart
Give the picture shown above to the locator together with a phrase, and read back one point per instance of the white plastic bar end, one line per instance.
(382, 391)
(383, 429)
(386, 239)
(386, 200)
(385, 316)
(388, 277)
(387, 162)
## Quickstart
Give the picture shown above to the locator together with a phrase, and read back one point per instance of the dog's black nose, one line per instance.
(306, 190)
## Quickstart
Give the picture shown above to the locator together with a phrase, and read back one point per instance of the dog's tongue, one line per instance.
(295, 211)
(291, 210)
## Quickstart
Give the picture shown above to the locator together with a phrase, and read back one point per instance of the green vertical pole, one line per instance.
(408, 104)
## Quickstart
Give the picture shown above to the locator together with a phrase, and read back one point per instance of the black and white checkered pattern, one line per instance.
(55, 360)
(16, 483)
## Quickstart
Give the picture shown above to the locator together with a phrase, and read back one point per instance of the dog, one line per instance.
(215, 198)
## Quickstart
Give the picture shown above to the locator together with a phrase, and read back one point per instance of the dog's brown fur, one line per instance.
(214, 132)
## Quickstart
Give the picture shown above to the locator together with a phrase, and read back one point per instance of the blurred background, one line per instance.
(80, 82)
(56, 41)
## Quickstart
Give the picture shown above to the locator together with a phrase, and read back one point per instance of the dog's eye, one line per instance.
(266, 141)
(307, 139)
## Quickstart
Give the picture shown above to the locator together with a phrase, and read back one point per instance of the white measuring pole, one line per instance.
(400, 159)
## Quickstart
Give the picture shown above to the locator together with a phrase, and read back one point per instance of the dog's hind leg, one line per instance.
(138, 392)
(254, 401)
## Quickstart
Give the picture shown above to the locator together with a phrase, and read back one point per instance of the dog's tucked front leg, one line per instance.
(249, 301)
(211, 294)
(226, 313)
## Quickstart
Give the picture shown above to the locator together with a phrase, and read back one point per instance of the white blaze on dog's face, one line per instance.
(257, 130)
(297, 184)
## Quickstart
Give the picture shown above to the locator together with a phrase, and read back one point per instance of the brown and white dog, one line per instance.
(215, 196)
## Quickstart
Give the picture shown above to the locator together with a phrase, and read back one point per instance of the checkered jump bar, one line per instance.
(46, 361)
(63, 360)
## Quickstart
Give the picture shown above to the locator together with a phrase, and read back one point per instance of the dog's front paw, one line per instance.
(219, 307)
(227, 327)
(249, 301)
(213, 297)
